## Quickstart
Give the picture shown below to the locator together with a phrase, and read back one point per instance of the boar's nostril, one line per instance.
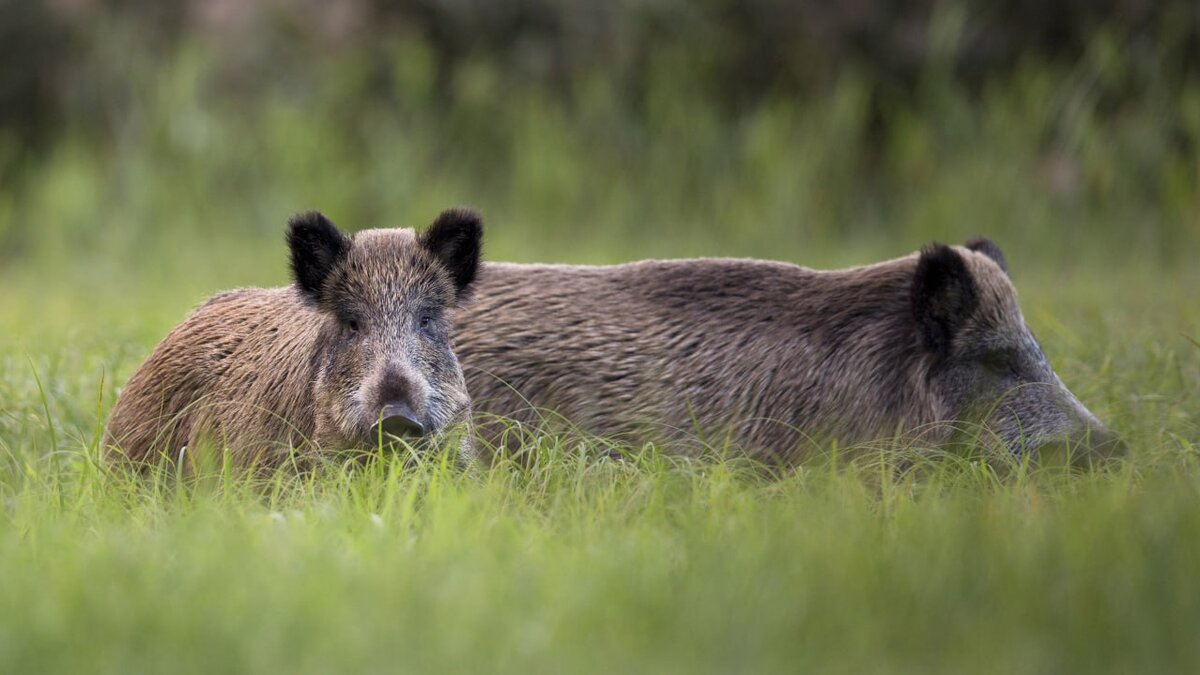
(400, 421)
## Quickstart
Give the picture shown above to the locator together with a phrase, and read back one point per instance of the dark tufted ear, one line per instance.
(455, 239)
(943, 296)
(990, 249)
(316, 246)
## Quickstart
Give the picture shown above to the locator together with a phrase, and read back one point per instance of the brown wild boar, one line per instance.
(769, 356)
(356, 350)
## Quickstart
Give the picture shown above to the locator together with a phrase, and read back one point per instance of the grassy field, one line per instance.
(581, 563)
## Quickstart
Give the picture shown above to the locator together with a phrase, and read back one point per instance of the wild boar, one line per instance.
(356, 350)
(769, 356)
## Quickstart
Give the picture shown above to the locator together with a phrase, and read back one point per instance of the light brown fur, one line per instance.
(263, 372)
(230, 368)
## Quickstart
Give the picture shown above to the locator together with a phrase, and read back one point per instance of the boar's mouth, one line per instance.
(399, 425)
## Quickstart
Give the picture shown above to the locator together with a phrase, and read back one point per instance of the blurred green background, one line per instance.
(151, 152)
(589, 131)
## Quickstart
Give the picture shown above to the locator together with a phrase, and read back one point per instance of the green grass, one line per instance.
(585, 564)
(603, 566)
(581, 563)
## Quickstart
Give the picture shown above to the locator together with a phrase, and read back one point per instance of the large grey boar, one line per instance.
(355, 351)
(770, 356)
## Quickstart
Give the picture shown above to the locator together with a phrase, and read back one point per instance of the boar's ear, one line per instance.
(943, 296)
(455, 240)
(990, 249)
(316, 246)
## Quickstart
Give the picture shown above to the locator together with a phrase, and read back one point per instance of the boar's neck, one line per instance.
(859, 371)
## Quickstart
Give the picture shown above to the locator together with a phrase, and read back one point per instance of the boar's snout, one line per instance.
(1096, 441)
(1093, 445)
(1090, 437)
(1060, 426)
(398, 420)
(1105, 443)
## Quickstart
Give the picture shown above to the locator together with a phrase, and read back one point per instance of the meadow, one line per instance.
(579, 562)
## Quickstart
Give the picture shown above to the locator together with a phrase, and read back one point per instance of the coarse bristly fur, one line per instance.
(266, 372)
(768, 356)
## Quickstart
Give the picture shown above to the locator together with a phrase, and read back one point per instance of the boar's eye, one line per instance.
(427, 322)
(1001, 361)
(352, 325)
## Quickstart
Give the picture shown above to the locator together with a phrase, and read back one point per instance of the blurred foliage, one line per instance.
(769, 127)
(735, 53)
